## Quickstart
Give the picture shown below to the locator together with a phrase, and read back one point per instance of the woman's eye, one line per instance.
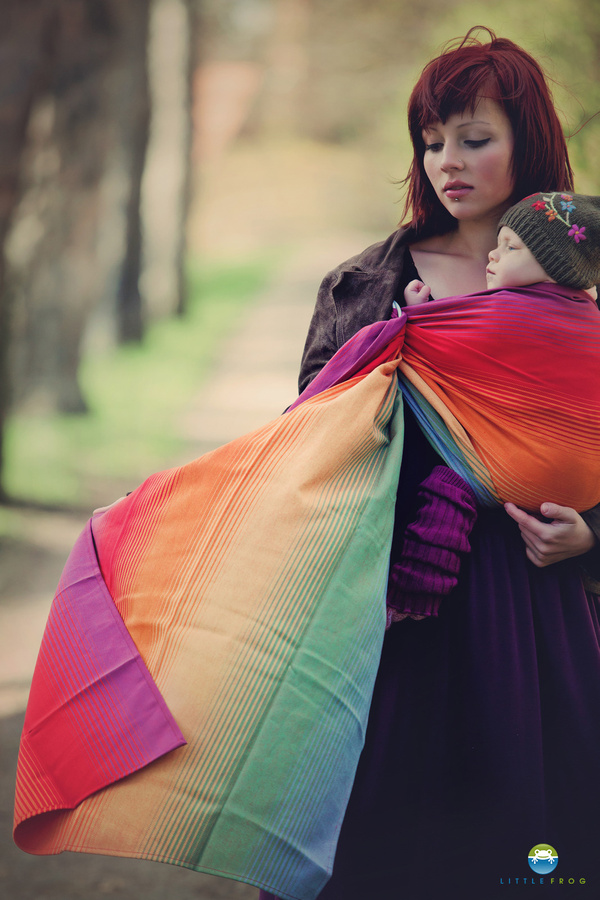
(475, 144)
(435, 147)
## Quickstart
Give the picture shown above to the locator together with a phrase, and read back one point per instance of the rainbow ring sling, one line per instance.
(203, 686)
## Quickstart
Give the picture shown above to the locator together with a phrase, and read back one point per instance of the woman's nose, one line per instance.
(451, 159)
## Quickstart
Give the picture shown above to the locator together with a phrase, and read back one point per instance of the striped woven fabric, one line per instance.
(252, 582)
(506, 385)
(203, 687)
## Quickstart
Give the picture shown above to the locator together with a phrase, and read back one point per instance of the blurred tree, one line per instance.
(52, 251)
(575, 53)
(288, 68)
(192, 65)
(75, 104)
(130, 96)
(23, 58)
(167, 188)
(330, 68)
(236, 29)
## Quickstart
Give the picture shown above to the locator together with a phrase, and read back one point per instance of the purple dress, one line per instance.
(483, 737)
(484, 732)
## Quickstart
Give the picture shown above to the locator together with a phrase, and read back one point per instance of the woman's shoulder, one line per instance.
(378, 256)
(359, 291)
(376, 272)
(362, 289)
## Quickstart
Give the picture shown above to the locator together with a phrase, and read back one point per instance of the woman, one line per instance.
(483, 732)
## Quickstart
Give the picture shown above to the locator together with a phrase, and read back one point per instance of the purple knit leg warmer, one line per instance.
(431, 554)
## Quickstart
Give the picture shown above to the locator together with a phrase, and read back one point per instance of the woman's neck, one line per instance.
(473, 240)
(455, 262)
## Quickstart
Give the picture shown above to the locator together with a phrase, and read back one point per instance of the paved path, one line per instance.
(254, 380)
(257, 373)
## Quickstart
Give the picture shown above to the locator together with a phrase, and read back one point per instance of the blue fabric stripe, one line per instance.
(436, 432)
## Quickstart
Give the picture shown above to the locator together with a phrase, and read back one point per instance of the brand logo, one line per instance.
(543, 859)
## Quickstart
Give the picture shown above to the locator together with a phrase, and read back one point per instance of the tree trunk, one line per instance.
(167, 178)
(193, 64)
(23, 60)
(130, 98)
(281, 110)
(52, 249)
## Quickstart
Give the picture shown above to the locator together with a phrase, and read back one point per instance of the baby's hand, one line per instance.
(416, 292)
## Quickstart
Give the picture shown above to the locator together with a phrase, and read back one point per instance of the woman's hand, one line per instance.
(567, 535)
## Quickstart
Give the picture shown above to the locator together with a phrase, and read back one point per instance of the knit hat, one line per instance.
(563, 233)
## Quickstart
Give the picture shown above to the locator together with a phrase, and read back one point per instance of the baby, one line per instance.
(550, 237)
(543, 238)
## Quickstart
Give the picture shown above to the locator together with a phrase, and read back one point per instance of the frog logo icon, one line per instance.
(543, 859)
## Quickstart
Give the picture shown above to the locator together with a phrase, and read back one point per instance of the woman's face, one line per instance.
(468, 162)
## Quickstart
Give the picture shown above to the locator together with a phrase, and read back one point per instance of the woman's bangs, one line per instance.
(457, 95)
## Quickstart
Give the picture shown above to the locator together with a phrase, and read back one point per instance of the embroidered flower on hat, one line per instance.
(577, 233)
(547, 203)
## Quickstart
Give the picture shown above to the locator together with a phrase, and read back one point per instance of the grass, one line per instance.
(135, 394)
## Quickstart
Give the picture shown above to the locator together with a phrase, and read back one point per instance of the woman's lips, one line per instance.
(456, 189)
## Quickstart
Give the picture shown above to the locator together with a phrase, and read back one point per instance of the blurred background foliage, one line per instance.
(158, 159)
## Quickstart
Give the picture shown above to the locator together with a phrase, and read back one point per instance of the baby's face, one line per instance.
(511, 264)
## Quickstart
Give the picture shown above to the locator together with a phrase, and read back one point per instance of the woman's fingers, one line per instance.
(537, 550)
(559, 513)
(527, 523)
(564, 537)
(540, 553)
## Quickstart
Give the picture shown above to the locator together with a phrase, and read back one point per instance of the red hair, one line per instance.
(452, 83)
